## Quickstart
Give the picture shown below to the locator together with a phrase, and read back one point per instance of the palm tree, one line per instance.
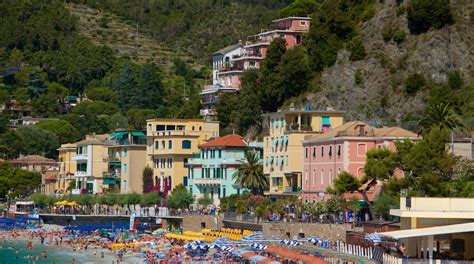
(250, 174)
(441, 116)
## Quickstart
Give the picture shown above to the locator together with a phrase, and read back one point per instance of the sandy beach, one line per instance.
(53, 239)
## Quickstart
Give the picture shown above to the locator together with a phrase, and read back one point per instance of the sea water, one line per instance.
(9, 255)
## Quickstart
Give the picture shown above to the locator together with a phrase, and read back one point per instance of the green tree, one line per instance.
(150, 91)
(275, 51)
(357, 50)
(48, 104)
(344, 182)
(294, 72)
(414, 83)
(384, 202)
(180, 198)
(4, 96)
(441, 116)
(299, 8)
(250, 174)
(137, 117)
(226, 109)
(45, 142)
(36, 85)
(92, 116)
(205, 201)
(12, 145)
(65, 132)
(117, 121)
(101, 94)
(125, 85)
(425, 14)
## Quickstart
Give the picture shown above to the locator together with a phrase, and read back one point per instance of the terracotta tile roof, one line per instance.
(51, 175)
(232, 140)
(351, 129)
(94, 140)
(33, 159)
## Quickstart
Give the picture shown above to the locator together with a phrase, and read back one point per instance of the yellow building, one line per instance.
(435, 228)
(126, 161)
(67, 167)
(283, 146)
(91, 157)
(171, 142)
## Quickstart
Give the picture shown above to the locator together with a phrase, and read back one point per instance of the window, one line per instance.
(303, 23)
(314, 152)
(286, 162)
(192, 128)
(186, 144)
(306, 152)
(185, 181)
(170, 144)
(220, 153)
(179, 127)
(322, 152)
(124, 184)
(361, 149)
(163, 144)
(223, 192)
(170, 127)
(272, 123)
(157, 143)
(160, 127)
(124, 168)
(125, 152)
(169, 183)
(330, 151)
(170, 163)
(339, 151)
(185, 162)
(200, 128)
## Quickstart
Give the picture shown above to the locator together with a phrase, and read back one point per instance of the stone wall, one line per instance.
(294, 230)
(198, 222)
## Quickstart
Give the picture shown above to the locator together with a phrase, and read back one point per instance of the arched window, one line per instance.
(169, 183)
(170, 144)
(186, 144)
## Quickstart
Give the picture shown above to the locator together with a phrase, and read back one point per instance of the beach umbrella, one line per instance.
(61, 203)
(73, 203)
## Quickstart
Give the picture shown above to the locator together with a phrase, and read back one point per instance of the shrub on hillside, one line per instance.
(387, 32)
(425, 14)
(414, 83)
(399, 36)
(357, 50)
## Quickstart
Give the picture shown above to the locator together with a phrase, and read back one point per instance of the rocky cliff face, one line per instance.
(372, 89)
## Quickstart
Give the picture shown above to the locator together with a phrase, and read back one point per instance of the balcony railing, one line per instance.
(207, 181)
(80, 173)
(296, 127)
(139, 141)
(111, 174)
(205, 112)
(82, 156)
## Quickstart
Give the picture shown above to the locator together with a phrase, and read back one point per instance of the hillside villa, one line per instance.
(229, 63)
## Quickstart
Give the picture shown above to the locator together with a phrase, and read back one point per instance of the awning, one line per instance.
(111, 181)
(282, 160)
(138, 134)
(119, 134)
(431, 231)
(115, 163)
(326, 120)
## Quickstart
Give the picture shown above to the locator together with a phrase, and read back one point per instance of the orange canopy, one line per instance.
(285, 253)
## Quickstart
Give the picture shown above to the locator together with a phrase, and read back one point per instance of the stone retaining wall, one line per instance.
(297, 230)
(198, 222)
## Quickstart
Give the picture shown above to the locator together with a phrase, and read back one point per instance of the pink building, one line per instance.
(229, 63)
(342, 149)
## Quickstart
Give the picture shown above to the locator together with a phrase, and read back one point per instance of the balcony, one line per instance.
(296, 128)
(80, 173)
(79, 157)
(207, 181)
(174, 133)
(210, 100)
(111, 174)
(207, 112)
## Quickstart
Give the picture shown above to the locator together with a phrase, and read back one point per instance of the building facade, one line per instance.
(91, 158)
(171, 143)
(46, 167)
(283, 162)
(126, 160)
(211, 170)
(343, 149)
(67, 167)
(230, 62)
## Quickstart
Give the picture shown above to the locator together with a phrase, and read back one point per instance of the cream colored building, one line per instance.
(171, 142)
(67, 167)
(430, 226)
(126, 160)
(283, 148)
(91, 158)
